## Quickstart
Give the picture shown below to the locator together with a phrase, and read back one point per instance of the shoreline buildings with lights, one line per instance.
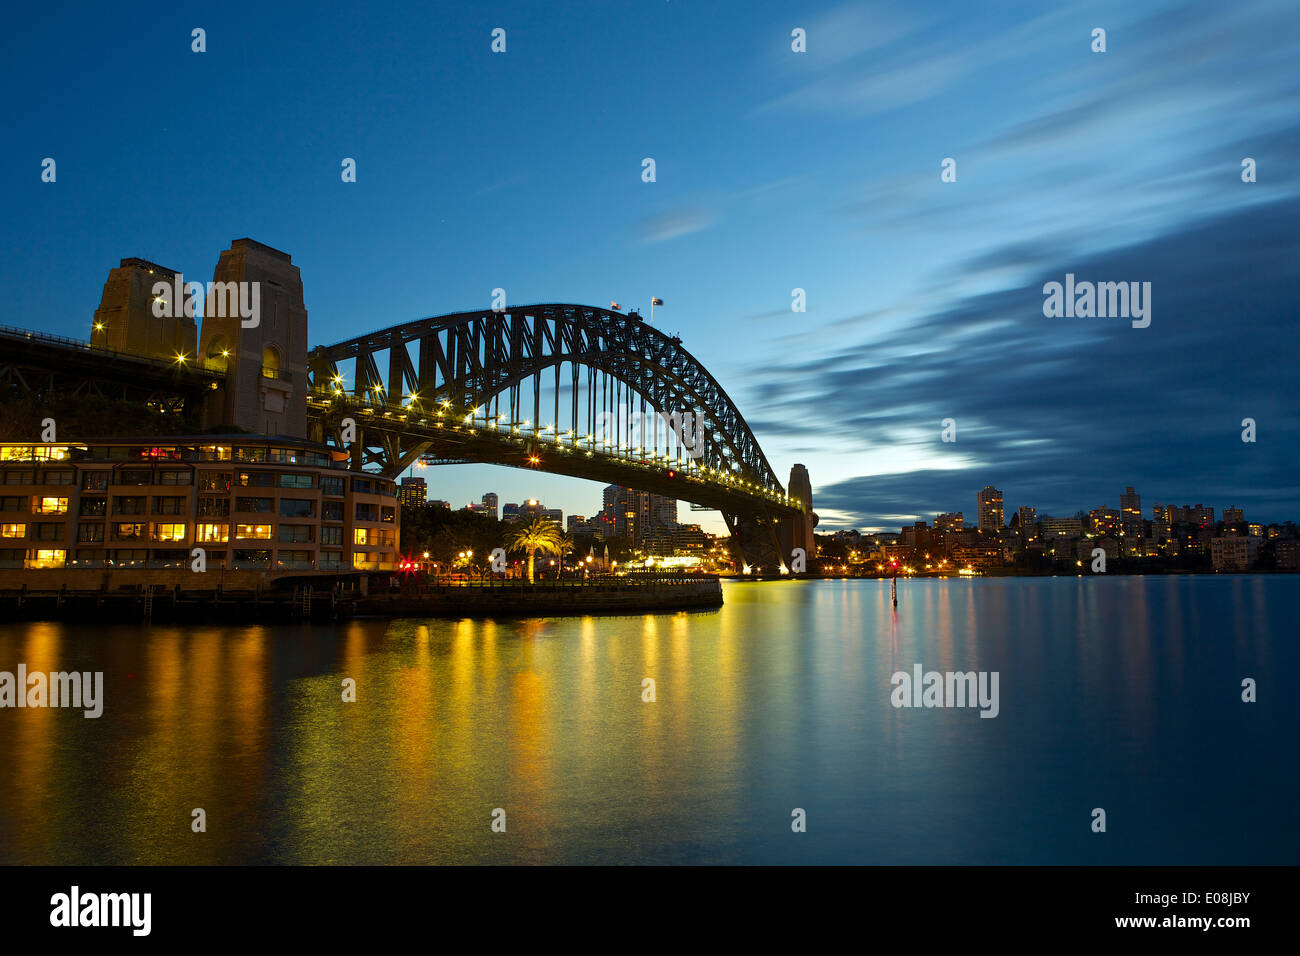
(253, 493)
(250, 502)
(1185, 539)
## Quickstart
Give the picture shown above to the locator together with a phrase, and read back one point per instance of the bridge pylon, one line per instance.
(264, 355)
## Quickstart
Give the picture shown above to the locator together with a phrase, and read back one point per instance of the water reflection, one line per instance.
(1112, 690)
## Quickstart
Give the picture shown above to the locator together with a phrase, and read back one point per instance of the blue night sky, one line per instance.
(775, 170)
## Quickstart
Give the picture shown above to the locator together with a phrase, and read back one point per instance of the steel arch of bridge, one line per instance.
(469, 359)
(446, 402)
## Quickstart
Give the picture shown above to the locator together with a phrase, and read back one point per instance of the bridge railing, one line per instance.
(456, 418)
(12, 332)
(604, 582)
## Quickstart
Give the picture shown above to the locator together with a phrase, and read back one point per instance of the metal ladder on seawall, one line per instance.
(306, 601)
(148, 602)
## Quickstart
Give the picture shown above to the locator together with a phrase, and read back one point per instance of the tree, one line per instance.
(541, 535)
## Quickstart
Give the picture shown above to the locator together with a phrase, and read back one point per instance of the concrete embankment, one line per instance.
(522, 600)
(162, 595)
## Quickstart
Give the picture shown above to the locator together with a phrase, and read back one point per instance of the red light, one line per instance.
(672, 474)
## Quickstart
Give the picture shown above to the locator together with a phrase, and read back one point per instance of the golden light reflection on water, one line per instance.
(779, 699)
(35, 740)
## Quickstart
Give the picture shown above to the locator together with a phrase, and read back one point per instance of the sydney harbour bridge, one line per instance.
(561, 388)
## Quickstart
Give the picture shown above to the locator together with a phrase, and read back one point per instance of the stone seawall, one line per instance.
(527, 601)
(132, 595)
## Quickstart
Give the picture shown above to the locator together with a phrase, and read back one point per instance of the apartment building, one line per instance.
(249, 501)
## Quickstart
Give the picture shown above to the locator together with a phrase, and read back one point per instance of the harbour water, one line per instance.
(1120, 693)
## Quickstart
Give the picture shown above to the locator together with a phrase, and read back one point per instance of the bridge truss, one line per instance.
(569, 389)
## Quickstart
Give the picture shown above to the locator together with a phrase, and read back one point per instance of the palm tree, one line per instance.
(541, 535)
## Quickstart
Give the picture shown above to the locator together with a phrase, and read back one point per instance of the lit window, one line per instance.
(257, 531)
(13, 530)
(212, 532)
(51, 506)
(44, 558)
(361, 536)
(169, 532)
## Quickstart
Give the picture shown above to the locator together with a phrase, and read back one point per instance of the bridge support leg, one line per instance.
(757, 539)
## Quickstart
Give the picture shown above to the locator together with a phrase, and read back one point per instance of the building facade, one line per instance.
(414, 492)
(1130, 508)
(1233, 554)
(248, 501)
(989, 504)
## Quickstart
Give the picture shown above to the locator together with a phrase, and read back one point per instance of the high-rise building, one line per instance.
(917, 536)
(491, 502)
(1160, 522)
(532, 508)
(1027, 518)
(949, 521)
(662, 511)
(631, 513)
(1233, 515)
(989, 504)
(1130, 507)
(1197, 516)
(414, 492)
(1064, 528)
(1105, 522)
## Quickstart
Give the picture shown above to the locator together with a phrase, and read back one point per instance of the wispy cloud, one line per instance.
(934, 59)
(1062, 413)
(676, 223)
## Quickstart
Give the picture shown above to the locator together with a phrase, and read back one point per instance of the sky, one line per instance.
(775, 170)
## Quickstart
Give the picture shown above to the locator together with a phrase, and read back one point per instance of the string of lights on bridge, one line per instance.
(448, 415)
